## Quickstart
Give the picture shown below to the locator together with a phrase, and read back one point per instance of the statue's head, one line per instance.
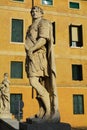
(36, 12)
(5, 74)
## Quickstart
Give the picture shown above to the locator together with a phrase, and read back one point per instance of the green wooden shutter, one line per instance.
(80, 75)
(13, 99)
(81, 105)
(78, 104)
(16, 69)
(75, 104)
(74, 72)
(74, 5)
(17, 30)
(77, 72)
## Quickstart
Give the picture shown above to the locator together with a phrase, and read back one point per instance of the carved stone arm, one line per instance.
(41, 42)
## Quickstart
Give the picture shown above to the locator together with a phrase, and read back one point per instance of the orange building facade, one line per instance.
(69, 18)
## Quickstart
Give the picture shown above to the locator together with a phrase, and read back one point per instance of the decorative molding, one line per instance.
(20, 85)
(66, 14)
(75, 86)
(77, 57)
(12, 53)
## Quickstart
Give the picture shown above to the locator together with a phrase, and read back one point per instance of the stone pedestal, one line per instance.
(44, 126)
(6, 115)
(9, 124)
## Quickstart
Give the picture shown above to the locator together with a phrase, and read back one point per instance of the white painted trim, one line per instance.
(18, 1)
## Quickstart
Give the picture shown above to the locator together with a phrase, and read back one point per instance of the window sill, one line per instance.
(22, 43)
(75, 47)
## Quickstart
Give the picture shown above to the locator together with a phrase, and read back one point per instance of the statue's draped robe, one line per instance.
(4, 96)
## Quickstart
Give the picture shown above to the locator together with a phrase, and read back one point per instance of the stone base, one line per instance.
(4, 125)
(13, 123)
(44, 126)
(6, 115)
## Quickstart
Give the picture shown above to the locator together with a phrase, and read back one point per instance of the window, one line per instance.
(78, 104)
(77, 72)
(15, 108)
(19, 0)
(47, 2)
(16, 69)
(75, 36)
(53, 24)
(74, 5)
(17, 30)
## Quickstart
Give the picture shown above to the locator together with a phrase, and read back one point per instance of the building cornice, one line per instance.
(74, 57)
(75, 86)
(66, 14)
(12, 8)
(20, 9)
(13, 53)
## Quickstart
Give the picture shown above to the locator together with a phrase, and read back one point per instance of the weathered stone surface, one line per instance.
(40, 64)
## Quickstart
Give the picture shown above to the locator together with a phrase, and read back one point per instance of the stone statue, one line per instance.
(5, 95)
(40, 65)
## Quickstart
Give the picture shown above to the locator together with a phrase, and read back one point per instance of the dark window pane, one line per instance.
(74, 72)
(77, 72)
(17, 30)
(16, 69)
(78, 104)
(74, 5)
(80, 36)
(70, 35)
(53, 24)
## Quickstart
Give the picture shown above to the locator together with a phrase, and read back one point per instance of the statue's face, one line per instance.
(36, 13)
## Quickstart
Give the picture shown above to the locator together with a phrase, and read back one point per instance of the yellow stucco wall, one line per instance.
(65, 101)
(30, 104)
(66, 105)
(64, 55)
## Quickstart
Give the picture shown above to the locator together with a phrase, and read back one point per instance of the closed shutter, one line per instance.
(16, 69)
(17, 30)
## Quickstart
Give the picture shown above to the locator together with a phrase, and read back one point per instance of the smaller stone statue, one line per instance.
(4, 95)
